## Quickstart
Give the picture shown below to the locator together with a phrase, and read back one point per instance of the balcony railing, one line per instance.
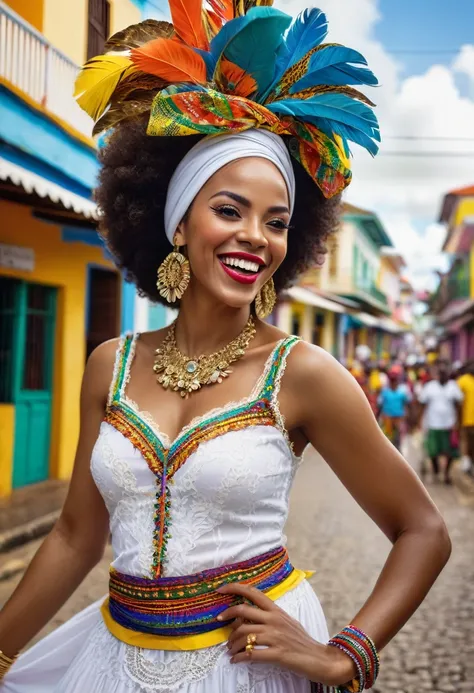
(32, 65)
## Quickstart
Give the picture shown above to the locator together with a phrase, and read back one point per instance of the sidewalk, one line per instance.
(30, 512)
(413, 452)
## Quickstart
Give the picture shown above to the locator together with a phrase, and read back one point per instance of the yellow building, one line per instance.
(344, 302)
(60, 293)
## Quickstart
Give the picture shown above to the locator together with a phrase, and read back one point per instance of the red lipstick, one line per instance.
(245, 256)
(238, 276)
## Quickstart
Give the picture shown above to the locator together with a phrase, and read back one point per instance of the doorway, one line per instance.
(103, 307)
(27, 328)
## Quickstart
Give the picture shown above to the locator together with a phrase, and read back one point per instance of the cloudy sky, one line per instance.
(423, 54)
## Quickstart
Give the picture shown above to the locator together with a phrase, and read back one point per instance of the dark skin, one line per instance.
(318, 399)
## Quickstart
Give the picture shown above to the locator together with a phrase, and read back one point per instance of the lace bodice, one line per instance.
(218, 494)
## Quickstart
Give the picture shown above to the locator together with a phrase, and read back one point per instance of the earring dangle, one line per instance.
(265, 299)
(173, 276)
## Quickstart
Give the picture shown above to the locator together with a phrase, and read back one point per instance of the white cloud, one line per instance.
(464, 61)
(406, 189)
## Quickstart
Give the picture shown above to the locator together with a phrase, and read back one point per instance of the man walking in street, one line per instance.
(393, 402)
(466, 384)
(441, 400)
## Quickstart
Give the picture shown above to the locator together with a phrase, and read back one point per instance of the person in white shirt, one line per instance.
(441, 405)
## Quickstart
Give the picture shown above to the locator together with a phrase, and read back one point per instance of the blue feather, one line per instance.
(307, 30)
(338, 106)
(360, 138)
(253, 46)
(232, 28)
(336, 75)
(333, 54)
(331, 111)
(331, 128)
(209, 60)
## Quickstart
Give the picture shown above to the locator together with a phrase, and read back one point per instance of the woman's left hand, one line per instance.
(284, 640)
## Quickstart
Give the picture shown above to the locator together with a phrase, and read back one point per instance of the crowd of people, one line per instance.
(437, 399)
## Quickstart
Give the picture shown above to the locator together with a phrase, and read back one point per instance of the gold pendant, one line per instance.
(176, 371)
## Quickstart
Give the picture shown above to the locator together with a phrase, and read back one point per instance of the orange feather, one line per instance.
(234, 80)
(187, 22)
(223, 8)
(170, 60)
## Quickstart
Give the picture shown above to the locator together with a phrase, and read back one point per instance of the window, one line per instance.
(8, 288)
(318, 327)
(98, 26)
(295, 324)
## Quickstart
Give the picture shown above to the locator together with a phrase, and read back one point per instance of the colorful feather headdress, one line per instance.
(235, 65)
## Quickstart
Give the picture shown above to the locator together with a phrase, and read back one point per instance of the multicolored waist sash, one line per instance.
(179, 613)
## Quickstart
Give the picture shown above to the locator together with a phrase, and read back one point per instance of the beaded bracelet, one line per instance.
(361, 649)
(5, 663)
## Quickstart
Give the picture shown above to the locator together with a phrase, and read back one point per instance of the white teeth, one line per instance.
(243, 264)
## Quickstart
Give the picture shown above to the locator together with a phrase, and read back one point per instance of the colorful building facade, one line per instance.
(344, 302)
(60, 294)
(453, 303)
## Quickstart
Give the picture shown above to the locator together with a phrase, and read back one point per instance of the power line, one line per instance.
(429, 154)
(434, 138)
(423, 51)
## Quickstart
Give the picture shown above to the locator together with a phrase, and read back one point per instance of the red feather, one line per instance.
(170, 60)
(187, 22)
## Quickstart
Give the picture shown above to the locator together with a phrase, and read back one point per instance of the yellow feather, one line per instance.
(97, 81)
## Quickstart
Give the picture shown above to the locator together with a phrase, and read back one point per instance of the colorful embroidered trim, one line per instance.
(189, 605)
(257, 413)
(165, 463)
(278, 362)
(121, 369)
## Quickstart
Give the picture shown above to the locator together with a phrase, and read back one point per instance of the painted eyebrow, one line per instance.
(246, 203)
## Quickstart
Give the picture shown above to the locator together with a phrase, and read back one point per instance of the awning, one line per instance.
(391, 326)
(297, 293)
(367, 319)
(455, 309)
(33, 183)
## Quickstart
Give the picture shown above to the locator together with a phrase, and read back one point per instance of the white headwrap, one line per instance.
(211, 154)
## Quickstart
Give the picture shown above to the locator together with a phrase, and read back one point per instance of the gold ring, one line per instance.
(251, 641)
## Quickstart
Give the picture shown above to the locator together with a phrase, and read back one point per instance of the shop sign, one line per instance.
(17, 257)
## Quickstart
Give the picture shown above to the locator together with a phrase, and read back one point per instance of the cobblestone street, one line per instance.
(329, 533)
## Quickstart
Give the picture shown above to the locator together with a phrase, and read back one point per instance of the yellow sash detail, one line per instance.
(191, 642)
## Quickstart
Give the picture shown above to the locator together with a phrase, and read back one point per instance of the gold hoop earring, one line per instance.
(173, 276)
(265, 299)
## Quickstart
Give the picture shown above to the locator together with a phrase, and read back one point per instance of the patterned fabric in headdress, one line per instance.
(235, 65)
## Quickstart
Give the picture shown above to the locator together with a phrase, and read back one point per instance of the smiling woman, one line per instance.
(134, 180)
(191, 474)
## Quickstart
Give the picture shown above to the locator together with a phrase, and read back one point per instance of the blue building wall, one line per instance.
(32, 140)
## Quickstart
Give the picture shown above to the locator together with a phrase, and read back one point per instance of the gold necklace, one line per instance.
(176, 371)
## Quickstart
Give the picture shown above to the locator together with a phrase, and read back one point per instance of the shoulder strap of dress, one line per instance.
(123, 361)
(271, 385)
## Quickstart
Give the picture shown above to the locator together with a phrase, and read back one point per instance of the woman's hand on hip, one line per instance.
(281, 640)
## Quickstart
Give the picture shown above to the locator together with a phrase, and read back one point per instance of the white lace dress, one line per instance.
(228, 503)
